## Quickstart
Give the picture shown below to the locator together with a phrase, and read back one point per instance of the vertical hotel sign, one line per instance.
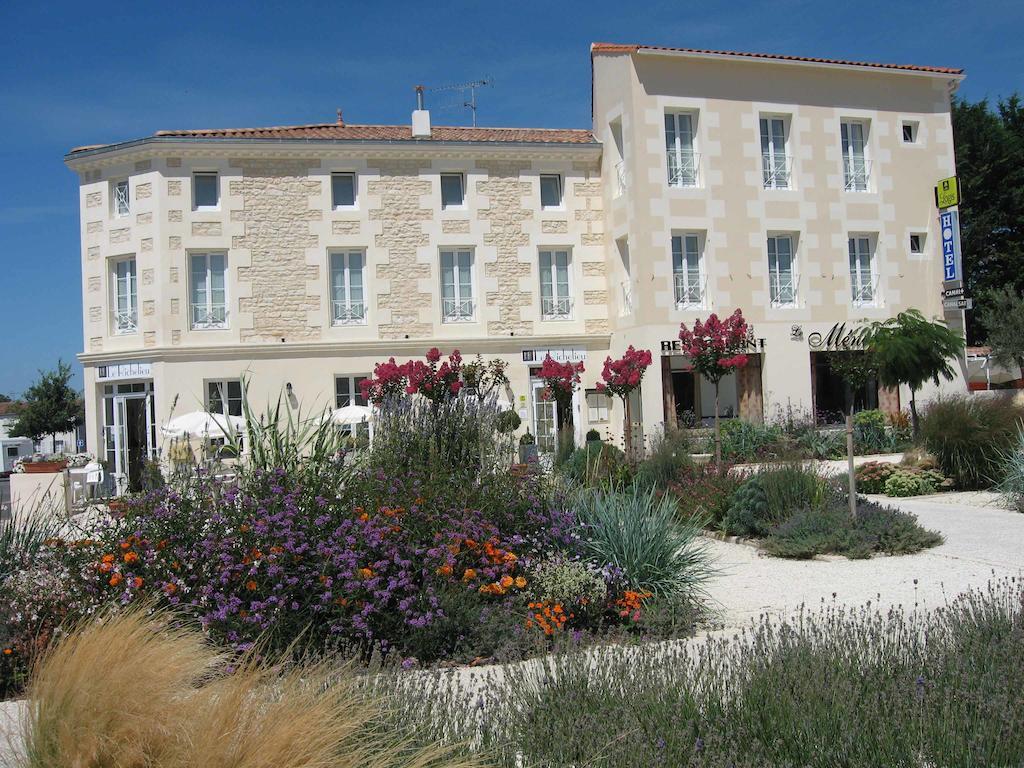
(949, 229)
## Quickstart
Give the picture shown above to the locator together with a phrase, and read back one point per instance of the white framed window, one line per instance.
(224, 397)
(122, 198)
(917, 242)
(909, 129)
(555, 289)
(126, 297)
(687, 271)
(775, 162)
(453, 190)
(12, 451)
(347, 391)
(343, 190)
(862, 271)
(550, 190)
(856, 166)
(680, 150)
(348, 295)
(208, 296)
(782, 275)
(598, 406)
(457, 305)
(205, 191)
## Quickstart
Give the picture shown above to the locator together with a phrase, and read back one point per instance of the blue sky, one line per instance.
(75, 74)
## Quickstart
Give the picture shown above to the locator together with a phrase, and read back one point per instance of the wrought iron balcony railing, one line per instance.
(776, 168)
(348, 312)
(458, 310)
(784, 289)
(556, 308)
(689, 289)
(683, 168)
(126, 321)
(856, 173)
(209, 316)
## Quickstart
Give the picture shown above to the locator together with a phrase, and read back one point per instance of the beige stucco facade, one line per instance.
(275, 224)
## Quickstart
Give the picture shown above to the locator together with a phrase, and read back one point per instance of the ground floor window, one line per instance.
(129, 431)
(833, 397)
(224, 397)
(689, 398)
(347, 391)
(598, 406)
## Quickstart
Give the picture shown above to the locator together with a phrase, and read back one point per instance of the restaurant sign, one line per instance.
(838, 338)
(675, 347)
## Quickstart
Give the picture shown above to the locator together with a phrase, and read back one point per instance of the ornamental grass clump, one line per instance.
(636, 532)
(146, 691)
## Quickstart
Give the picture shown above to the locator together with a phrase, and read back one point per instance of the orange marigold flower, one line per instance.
(106, 567)
(131, 557)
(471, 544)
(444, 570)
(170, 588)
(469, 574)
(137, 582)
(507, 581)
(510, 557)
(520, 582)
(8, 651)
(243, 614)
(256, 554)
(244, 528)
(126, 545)
(364, 517)
(115, 580)
(176, 565)
(162, 544)
(108, 558)
(365, 573)
(251, 585)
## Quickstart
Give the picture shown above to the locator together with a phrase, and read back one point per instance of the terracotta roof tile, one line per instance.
(632, 48)
(10, 408)
(392, 133)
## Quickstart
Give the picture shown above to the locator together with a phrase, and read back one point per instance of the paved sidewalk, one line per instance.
(982, 542)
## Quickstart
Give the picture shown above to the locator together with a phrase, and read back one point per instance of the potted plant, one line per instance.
(593, 436)
(527, 449)
(39, 464)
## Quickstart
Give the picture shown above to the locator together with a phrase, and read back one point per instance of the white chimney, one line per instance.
(420, 117)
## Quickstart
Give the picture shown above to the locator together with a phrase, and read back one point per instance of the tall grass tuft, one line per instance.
(23, 536)
(140, 691)
(969, 435)
(1011, 485)
(637, 531)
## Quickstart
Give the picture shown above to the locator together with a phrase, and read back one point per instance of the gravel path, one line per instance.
(982, 541)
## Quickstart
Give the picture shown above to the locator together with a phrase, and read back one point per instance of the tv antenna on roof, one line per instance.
(462, 88)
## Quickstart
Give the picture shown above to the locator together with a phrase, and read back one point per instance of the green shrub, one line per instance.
(746, 441)
(809, 532)
(593, 436)
(508, 421)
(969, 435)
(908, 483)
(822, 443)
(870, 434)
(669, 455)
(792, 486)
(597, 465)
(568, 582)
(892, 530)
(636, 531)
(1012, 472)
(705, 492)
(871, 420)
(871, 476)
(748, 512)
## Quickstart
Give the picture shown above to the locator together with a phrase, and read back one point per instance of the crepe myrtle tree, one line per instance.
(437, 383)
(911, 349)
(716, 348)
(620, 378)
(560, 382)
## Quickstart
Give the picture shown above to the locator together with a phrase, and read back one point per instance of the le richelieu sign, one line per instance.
(839, 337)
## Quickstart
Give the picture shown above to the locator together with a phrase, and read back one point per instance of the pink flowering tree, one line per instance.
(435, 380)
(716, 348)
(620, 377)
(560, 381)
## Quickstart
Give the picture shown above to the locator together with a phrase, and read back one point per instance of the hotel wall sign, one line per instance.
(839, 337)
(572, 355)
(114, 371)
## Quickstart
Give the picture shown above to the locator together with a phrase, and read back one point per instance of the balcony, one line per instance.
(348, 313)
(865, 294)
(556, 308)
(784, 289)
(776, 170)
(209, 316)
(458, 310)
(856, 173)
(689, 289)
(126, 321)
(620, 178)
(683, 168)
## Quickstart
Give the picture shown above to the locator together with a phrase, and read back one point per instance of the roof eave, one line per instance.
(72, 157)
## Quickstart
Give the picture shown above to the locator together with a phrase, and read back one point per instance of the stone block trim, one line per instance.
(174, 215)
(94, 200)
(143, 165)
(149, 307)
(149, 339)
(595, 298)
(175, 337)
(94, 227)
(147, 277)
(587, 189)
(95, 314)
(93, 285)
(175, 306)
(505, 214)
(594, 269)
(144, 218)
(173, 275)
(174, 243)
(206, 229)
(174, 162)
(121, 235)
(142, 191)
(345, 227)
(554, 227)
(592, 238)
(599, 325)
(146, 244)
(93, 254)
(173, 187)
(455, 226)
(96, 344)
(276, 210)
(401, 215)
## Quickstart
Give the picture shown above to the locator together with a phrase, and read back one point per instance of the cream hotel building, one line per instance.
(799, 190)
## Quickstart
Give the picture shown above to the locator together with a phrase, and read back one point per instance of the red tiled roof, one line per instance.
(632, 48)
(10, 408)
(393, 133)
(341, 131)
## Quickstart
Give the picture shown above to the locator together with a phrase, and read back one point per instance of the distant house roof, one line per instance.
(340, 131)
(598, 48)
(10, 408)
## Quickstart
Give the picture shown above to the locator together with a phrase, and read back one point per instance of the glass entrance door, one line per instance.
(130, 436)
(545, 419)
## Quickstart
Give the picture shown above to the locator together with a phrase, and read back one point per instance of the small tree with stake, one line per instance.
(560, 381)
(716, 348)
(620, 378)
(855, 368)
(911, 349)
(51, 406)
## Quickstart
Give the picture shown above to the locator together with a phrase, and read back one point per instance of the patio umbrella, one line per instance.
(351, 415)
(203, 424)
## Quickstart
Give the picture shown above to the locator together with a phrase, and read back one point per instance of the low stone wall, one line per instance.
(33, 492)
